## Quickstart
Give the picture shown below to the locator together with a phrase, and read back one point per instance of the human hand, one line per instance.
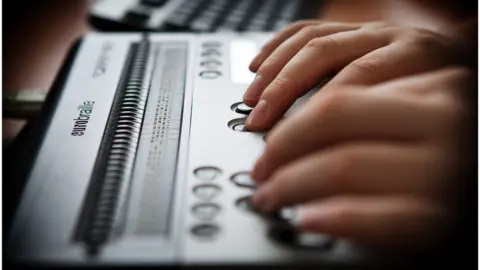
(306, 52)
(377, 164)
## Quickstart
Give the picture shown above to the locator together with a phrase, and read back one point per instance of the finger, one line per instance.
(356, 168)
(280, 37)
(340, 116)
(315, 61)
(455, 80)
(271, 66)
(394, 61)
(387, 222)
(447, 92)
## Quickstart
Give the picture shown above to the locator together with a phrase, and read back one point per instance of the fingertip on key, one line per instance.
(263, 200)
(258, 117)
(250, 101)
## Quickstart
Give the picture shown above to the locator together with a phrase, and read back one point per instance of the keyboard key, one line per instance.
(202, 25)
(272, 18)
(290, 10)
(183, 23)
(138, 16)
(153, 3)
(253, 7)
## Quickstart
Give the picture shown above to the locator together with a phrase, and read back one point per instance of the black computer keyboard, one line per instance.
(200, 15)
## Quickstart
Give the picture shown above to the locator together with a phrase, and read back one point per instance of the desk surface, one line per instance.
(37, 40)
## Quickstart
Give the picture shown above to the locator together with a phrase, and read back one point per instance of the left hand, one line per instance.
(375, 164)
(307, 52)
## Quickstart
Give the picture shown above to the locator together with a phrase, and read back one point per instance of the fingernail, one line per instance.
(251, 94)
(258, 116)
(262, 200)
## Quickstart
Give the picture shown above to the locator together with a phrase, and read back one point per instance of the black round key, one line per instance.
(241, 107)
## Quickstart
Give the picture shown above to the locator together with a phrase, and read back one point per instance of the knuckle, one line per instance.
(367, 64)
(293, 26)
(330, 105)
(452, 101)
(376, 25)
(461, 74)
(309, 30)
(268, 67)
(281, 83)
(421, 38)
(322, 43)
(454, 112)
(298, 24)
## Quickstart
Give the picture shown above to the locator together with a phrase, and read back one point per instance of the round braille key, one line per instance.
(243, 179)
(211, 63)
(289, 214)
(205, 211)
(290, 236)
(205, 231)
(211, 51)
(238, 124)
(207, 173)
(312, 241)
(241, 107)
(210, 74)
(240, 127)
(206, 192)
(246, 204)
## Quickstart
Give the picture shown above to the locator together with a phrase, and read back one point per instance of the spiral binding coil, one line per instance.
(119, 157)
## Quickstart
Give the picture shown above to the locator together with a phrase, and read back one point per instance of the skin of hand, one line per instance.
(297, 58)
(376, 164)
